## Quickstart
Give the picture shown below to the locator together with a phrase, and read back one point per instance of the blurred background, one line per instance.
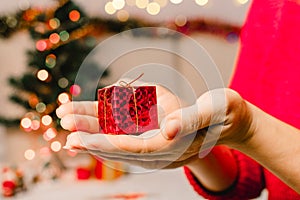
(43, 44)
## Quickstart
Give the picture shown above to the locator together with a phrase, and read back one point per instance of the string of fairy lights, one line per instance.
(43, 121)
(152, 7)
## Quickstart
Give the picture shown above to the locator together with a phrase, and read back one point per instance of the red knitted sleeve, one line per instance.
(249, 184)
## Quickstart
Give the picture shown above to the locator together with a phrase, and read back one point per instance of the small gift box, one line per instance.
(127, 109)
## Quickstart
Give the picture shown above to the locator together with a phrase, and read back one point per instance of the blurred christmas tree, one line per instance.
(63, 38)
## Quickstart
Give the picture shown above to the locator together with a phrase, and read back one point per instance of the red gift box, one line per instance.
(127, 109)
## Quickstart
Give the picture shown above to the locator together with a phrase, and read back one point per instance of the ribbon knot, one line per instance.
(125, 84)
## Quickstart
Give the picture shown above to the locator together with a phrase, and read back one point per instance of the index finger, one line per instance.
(89, 108)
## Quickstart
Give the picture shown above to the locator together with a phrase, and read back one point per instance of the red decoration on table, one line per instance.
(98, 168)
(8, 188)
(127, 109)
(83, 173)
(129, 196)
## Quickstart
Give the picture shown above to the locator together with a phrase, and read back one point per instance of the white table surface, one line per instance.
(159, 185)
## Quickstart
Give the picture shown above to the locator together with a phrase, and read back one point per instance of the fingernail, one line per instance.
(66, 147)
(78, 151)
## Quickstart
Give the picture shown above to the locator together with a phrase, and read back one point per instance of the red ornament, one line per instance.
(8, 188)
(75, 90)
(99, 169)
(74, 15)
(41, 45)
(127, 109)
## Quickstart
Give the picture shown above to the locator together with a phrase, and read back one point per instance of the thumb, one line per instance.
(209, 109)
(183, 121)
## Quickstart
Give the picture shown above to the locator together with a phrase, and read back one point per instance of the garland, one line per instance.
(28, 19)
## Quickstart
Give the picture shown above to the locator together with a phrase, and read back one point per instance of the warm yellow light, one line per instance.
(242, 1)
(54, 23)
(46, 120)
(162, 3)
(26, 123)
(176, 1)
(54, 38)
(180, 20)
(118, 4)
(63, 98)
(201, 2)
(29, 154)
(42, 75)
(122, 15)
(153, 8)
(142, 3)
(56, 146)
(109, 8)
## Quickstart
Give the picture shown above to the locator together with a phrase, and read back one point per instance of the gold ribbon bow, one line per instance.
(127, 85)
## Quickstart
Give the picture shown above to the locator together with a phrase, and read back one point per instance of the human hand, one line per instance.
(179, 139)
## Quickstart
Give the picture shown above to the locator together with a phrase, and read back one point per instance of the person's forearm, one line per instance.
(217, 171)
(276, 146)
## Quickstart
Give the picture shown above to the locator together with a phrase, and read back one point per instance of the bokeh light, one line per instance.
(50, 61)
(54, 23)
(41, 45)
(42, 75)
(142, 3)
(201, 2)
(24, 4)
(118, 4)
(63, 82)
(54, 38)
(176, 1)
(49, 134)
(64, 36)
(75, 90)
(33, 100)
(46, 120)
(29, 154)
(122, 15)
(180, 20)
(56, 146)
(11, 22)
(153, 8)
(40, 107)
(109, 8)
(74, 15)
(35, 124)
(26, 122)
(63, 98)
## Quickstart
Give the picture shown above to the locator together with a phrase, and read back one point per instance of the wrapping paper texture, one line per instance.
(127, 110)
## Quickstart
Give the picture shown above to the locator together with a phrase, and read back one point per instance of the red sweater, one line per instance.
(268, 75)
